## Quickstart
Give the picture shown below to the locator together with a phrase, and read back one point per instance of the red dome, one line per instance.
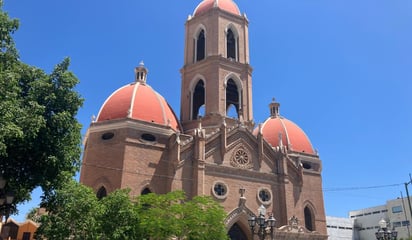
(293, 137)
(138, 101)
(226, 5)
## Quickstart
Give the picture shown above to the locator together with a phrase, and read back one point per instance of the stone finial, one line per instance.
(242, 191)
(280, 140)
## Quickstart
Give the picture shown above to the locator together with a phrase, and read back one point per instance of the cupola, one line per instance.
(279, 131)
(139, 101)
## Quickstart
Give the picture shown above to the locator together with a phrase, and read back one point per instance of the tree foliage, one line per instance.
(76, 213)
(164, 216)
(118, 218)
(39, 133)
(72, 212)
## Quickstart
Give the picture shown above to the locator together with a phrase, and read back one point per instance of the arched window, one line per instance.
(200, 46)
(231, 45)
(198, 100)
(101, 193)
(309, 219)
(145, 191)
(232, 98)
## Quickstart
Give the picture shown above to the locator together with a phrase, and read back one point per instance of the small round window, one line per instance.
(264, 195)
(220, 190)
(148, 137)
(107, 135)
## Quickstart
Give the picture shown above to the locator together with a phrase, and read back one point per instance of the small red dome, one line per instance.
(226, 5)
(138, 101)
(277, 127)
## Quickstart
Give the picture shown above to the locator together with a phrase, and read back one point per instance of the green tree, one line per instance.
(39, 133)
(172, 215)
(73, 211)
(118, 218)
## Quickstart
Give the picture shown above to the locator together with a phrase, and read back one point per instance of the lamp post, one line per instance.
(259, 225)
(384, 233)
(6, 199)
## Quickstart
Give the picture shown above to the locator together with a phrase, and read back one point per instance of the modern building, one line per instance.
(363, 224)
(395, 212)
(215, 148)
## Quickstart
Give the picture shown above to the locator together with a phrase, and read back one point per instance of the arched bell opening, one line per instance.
(198, 100)
(232, 99)
(232, 45)
(200, 46)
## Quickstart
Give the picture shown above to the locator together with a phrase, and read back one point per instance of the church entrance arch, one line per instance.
(236, 233)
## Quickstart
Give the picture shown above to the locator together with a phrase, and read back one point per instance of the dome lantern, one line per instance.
(141, 73)
(274, 108)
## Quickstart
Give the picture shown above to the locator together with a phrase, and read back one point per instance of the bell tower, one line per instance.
(216, 76)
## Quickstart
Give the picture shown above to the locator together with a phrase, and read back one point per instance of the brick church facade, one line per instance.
(215, 148)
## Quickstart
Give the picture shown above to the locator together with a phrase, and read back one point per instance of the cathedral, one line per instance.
(214, 147)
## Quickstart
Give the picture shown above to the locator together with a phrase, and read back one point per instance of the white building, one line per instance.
(364, 223)
(340, 228)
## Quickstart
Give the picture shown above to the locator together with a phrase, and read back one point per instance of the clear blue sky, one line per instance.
(341, 69)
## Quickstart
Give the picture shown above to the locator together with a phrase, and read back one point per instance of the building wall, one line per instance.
(340, 228)
(29, 228)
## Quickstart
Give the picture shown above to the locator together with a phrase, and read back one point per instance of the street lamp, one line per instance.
(384, 233)
(6, 199)
(262, 224)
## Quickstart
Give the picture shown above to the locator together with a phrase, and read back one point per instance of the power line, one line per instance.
(340, 189)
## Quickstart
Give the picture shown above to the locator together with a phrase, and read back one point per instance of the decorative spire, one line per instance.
(274, 108)
(216, 3)
(141, 73)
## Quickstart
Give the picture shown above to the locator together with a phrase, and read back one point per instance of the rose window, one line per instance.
(241, 157)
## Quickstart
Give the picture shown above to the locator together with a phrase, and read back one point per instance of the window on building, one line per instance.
(397, 209)
(231, 45)
(200, 46)
(220, 190)
(26, 236)
(264, 195)
(309, 219)
(146, 191)
(101, 193)
(396, 224)
(232, 97)
(406, 223)
(198, 100)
